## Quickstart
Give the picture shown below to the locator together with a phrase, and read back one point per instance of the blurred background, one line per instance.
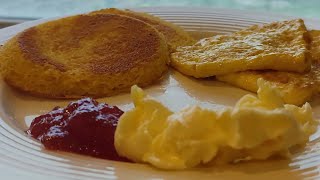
(16, 11)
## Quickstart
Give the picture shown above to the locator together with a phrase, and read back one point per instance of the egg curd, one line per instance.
(256, 128)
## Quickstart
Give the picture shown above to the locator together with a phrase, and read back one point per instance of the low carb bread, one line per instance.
(174, 35)
(84, 55)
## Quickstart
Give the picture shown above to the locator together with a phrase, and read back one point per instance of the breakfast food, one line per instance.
(296, 88)
(84, 55)
(255, 129)
(105, 52)
(174, 35)
(278, 46)
(315, 45)
(84, 127)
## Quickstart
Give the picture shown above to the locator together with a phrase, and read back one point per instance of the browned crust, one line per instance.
(174, 35)
(112, 56)
(141, 44)
(158, 23)
(111, 53)
(32, 52)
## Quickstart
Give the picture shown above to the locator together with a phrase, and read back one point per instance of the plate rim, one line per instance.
(12, 30)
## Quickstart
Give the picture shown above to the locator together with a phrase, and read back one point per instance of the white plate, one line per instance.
(22, 157)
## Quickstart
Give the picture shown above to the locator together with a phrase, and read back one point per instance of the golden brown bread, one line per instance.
(278, 46)
(296, 88)
(84, 55)
(174, 34)
(315, 45)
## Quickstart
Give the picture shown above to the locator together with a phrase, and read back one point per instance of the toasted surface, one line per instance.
(174, 34)
(296, 88)
(315, 45)
(278, 46)
(96, 55)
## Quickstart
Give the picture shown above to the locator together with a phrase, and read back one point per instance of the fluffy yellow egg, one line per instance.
(256, 128)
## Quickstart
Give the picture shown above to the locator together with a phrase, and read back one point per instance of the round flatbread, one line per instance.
(84, 55)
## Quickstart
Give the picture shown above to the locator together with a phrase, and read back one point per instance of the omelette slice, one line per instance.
(278, 46)
(295, 88)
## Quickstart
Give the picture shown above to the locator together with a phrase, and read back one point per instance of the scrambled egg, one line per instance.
(256, 128)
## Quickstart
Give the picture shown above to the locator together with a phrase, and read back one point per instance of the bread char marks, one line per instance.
(139, 47)
(30, 49)
(112, 50)
(168, 31)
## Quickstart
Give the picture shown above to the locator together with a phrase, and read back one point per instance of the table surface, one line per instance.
(34, 9)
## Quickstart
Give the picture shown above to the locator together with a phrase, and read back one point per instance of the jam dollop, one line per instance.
(84, 127)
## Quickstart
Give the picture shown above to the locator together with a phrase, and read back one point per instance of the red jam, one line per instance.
(84, 127)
